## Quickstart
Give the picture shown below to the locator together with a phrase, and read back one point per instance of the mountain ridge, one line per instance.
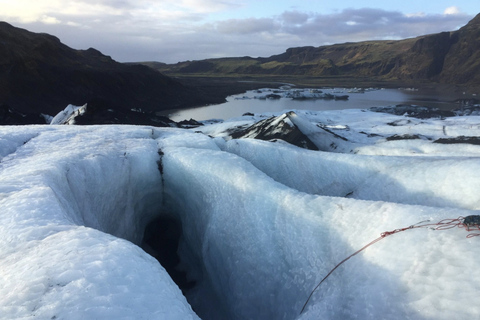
(38, 73)
(449, 57)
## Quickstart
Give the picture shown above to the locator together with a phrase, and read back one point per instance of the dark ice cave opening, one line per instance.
(161, 240)
(164, 240)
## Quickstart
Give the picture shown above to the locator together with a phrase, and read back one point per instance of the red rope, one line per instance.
(469, 223)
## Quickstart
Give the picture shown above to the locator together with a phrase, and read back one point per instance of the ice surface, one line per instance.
(250, 231)
(439, 182)
(263, 222)
(67, 116)
(61, 193)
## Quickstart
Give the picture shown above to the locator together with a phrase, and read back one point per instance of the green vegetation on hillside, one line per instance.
(447, 57)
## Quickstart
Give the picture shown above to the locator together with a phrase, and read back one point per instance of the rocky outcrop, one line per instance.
(275, 128)
(460, 139)
(11, 116)
(296, 130)
(420, 112)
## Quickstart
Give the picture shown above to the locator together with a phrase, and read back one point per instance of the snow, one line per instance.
(67, 116)
(263, 222)
(64, 194)
(437, 182)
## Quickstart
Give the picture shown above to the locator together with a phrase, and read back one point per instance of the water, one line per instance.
(237, 105)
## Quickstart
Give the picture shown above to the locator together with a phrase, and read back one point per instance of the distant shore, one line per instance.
(217, 88)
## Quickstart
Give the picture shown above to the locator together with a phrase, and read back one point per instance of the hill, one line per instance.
(40, 74)
(446, 57)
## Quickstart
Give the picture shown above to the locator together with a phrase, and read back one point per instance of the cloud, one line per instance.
(147, 10)
(176, 30)
(294, 17)
(452, 10)
(49, 20)
(347, 25)
(247, 26)
(205, 6)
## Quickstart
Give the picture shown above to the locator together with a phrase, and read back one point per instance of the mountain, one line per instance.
(446, 57)
(40, 74)
(462, 61)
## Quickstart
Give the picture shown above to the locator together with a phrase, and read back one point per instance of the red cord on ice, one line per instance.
(469, 223)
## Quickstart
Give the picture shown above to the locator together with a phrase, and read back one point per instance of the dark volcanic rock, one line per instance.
(397, 137)
(40, 74)
(192, 123)
(10, 116)
(460, 139)
(276, 128)
(421, 112)
(273, 96)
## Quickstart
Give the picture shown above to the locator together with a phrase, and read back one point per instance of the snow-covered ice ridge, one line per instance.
(263, 221)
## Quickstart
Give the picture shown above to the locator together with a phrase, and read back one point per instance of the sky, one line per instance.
(178, 30)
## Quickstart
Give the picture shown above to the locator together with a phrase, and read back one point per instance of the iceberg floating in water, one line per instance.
(262, 222)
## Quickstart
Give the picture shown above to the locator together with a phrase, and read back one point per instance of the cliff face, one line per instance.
(425, 59)
(447, 57)
(462, 62)
(40, 74)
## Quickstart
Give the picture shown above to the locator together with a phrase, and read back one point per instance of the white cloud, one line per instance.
(31, 11)
(27, 11)
(73, 24)
(206, 6)
(49, 20)
(176, 30)
(452, 10)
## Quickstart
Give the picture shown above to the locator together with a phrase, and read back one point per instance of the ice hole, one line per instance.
(161, 240)
(164, 240)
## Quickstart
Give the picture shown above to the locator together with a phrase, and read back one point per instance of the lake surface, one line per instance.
(250, 101)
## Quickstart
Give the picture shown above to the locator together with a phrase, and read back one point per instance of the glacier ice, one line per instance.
(262, 222)
(67, 116)
(69, 198)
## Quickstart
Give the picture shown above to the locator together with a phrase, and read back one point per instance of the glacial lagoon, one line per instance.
(255, 101)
